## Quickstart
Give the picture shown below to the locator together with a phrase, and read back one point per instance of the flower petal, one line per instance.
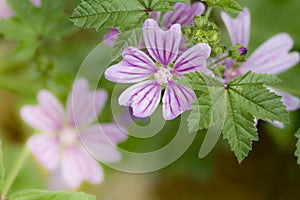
(143, 97)
(272, 56)
(78, 165)
(136, 66)
(84, 106)
(162, 45)
(48, 115)
(176, 100)
(184, 14)
(5, 10)
(37, 3)
(46, 149)
(101, 140)
(291, 102)
(192, 60)
(110, 38)
(239, 28)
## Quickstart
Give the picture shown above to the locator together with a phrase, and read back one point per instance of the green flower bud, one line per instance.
(238, 53)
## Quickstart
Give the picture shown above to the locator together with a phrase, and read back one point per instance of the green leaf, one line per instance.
(128, 38)
(239, 129)
(297, 152)
(199, 81)
(2, 169)
(229, 5)
(252, 78)
(37, 25)
(48, 195)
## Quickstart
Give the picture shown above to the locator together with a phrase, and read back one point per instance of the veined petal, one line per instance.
(192, 60)
(84, 106)
(143, 98)
(101, 141)
(110, 38)
(46, 149)
(184, 14)
(136, 66)
(272, 56)
(78, 165)
(176, 100)
(239, 28)
(162, 45)
(48, 115)
(291, 102)
(5, 10)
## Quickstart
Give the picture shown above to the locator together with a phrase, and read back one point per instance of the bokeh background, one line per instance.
(269, 172)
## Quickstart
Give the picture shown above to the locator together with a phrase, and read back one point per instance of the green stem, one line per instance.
(208, 12)
(217, 61)
(15, 171)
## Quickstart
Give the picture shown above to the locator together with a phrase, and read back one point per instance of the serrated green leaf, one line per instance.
(2, 168)
(252, 78)
(199, 81)
(297, 152)
(229, 5)
(239, 129)
(48, 195)
(128, 38)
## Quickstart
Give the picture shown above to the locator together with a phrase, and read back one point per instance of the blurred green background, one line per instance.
(269, 172)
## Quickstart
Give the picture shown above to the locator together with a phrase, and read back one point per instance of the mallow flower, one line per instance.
(183, 14)
(272, 57)
(67, 140)
(151, 77)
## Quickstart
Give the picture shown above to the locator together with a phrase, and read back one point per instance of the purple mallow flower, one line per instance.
(5, 10)
(59, 146)
(184, 15)
(153, 77)
(272, 57)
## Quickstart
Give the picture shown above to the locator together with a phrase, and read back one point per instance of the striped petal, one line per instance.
(162, 45)
(46, 149)
(143, 98)
(239, 28)
(78, 166)
(84, 106)
(192, 60)
(48, 115)
(176, 100)
(101, 140)
(136, 66)
(184, 14)
(273, 56)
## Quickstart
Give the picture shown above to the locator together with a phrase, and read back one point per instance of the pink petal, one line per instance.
(5, 10)
(162, 45)
(184, 14)
(46, 149)
(176, 100)
(143, 97)
(110, 38)
(47, 116)
(239, 28)
(277, 124)
(101, 140)
(272, 56)
(192, 60)
(37, 3)
(291, 102)
(84, 106)
(78, 165)
(136, 66)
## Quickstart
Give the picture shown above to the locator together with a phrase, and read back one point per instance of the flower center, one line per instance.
(68, 136)
(163, 75)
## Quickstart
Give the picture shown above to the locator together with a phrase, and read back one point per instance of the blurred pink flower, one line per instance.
(272, 57)
(137, 66)
(37, 3)
(5, 10)
(66, 137)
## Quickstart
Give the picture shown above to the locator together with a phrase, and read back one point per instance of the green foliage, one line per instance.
(48, 195)
(32, 26)
(297, 152)
(229, 5)
(120, 14)
(2, 168)
(245, 97)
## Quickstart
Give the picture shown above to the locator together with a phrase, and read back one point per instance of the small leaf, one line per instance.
(229, 5)
(128, 38)
(48, 195)
(252, 78)
(297, 152)
(2, 169)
